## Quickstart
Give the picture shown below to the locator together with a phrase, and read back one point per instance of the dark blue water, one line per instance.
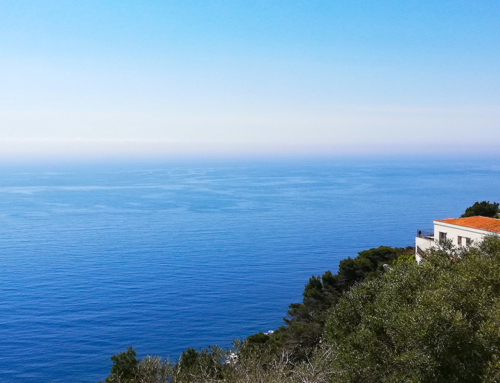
(95, 258)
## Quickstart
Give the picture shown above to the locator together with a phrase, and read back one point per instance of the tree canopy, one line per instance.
(305, 323)
(484, 208)
(124, 367)
(435, 322)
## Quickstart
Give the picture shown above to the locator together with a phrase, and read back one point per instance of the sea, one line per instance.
(165, 255)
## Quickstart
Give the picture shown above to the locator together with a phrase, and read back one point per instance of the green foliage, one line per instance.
(152, 369)
(267, 347)
(484, 208)
(124, 367)
(305, 323)
(435, 322)
(284, 354)
(381, 318)
(193, 364)
(189, 359)
(404, 258)
(259, 338)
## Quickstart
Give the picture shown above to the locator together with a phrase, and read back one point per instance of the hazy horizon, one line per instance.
(156, 79)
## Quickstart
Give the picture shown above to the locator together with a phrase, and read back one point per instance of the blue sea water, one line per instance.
(165, 256)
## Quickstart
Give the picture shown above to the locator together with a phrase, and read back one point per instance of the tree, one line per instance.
(305, 323)
(124, 367)
(152, 369)
(194, 366)
(435, 322)
(484, 208)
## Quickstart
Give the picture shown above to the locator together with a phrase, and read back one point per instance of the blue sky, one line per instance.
(147, 78)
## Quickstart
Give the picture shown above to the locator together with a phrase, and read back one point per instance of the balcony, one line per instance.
(425, 233)
(423, 242)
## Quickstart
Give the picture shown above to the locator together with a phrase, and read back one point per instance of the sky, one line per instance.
(147, 78)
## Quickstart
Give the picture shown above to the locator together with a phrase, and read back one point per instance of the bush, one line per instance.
(485, 209)
(435, 322)
(124, 367)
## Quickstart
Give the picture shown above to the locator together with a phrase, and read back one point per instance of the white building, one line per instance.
(460, 231)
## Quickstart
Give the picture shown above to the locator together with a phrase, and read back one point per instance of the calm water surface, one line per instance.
(96, 258)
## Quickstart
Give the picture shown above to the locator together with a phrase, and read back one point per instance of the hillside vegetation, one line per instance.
(293, 344)
(381, 318)
(434, 322)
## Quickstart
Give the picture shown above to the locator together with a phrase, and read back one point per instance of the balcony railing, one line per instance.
(425, 233)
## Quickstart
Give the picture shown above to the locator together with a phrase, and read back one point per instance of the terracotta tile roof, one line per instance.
(481, 223)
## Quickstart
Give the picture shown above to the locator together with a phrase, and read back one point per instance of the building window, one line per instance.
(442, 236)
(467, 241)
(459, 241)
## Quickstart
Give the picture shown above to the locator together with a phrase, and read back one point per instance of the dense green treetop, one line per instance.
(434, 322)
(484, 208)
(124, 367)
(305, 323)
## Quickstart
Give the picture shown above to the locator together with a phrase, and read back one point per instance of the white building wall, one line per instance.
(424, 244)
(454, 231)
